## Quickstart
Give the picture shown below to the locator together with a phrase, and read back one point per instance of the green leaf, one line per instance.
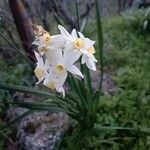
(39, 106)
(74, 86)
(96, 102)
(83, 25)
(58, 20)
(79, 89)
(100, 41)
(88, 79)
(27, 90)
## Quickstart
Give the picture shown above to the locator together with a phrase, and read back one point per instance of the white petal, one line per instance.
(35, 42)
(88, 43)
(71, 57)
(49, 78)
(62, 78)
(74, 70)
(39, 59)
(36, 55)
(83, 60)
(93, 58)
(50, 55)
(63, 31)
(46, 65)
(61, 90)
(74, 33)
(40, 80)
(57, 42)
(69, 46)
(87, 54)
(57, 57)
(90, 64)
(81, 35)
(38, 41)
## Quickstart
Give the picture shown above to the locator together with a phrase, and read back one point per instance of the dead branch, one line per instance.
(23, 26)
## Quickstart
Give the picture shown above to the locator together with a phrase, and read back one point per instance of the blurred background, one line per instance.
(126, 85)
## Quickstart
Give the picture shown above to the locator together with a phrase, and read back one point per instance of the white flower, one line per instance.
(41, 68)
(61, 64)
(46, 42)
(72, 40)
(57, 55)
(54, 84)
(82, 44)
(88, 58)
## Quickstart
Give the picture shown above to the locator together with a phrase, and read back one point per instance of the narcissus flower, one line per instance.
(54, 84)
(60, 66)
(45, 41)
(88, 58)
(58, 54)
(64, 63)
(82, 44)
(41, 68)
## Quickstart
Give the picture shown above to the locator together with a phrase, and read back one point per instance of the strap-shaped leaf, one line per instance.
(30, 90)
(47, 106)
(39, 106)
(100, 40)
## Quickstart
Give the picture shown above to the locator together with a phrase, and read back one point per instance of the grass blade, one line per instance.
(58, 20)
(77, 87)
(100, 41)
(97, 127)
(88, 80)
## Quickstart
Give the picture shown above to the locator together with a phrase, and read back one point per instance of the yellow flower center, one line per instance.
(60, 68)
(51, 85)
(39, 72)
(91, 50)
(79, 43)
(46, 38)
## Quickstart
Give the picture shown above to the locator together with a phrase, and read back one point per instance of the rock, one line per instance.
(41, 131)
(108, 85)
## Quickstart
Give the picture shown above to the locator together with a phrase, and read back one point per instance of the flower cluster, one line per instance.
(57, 54)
